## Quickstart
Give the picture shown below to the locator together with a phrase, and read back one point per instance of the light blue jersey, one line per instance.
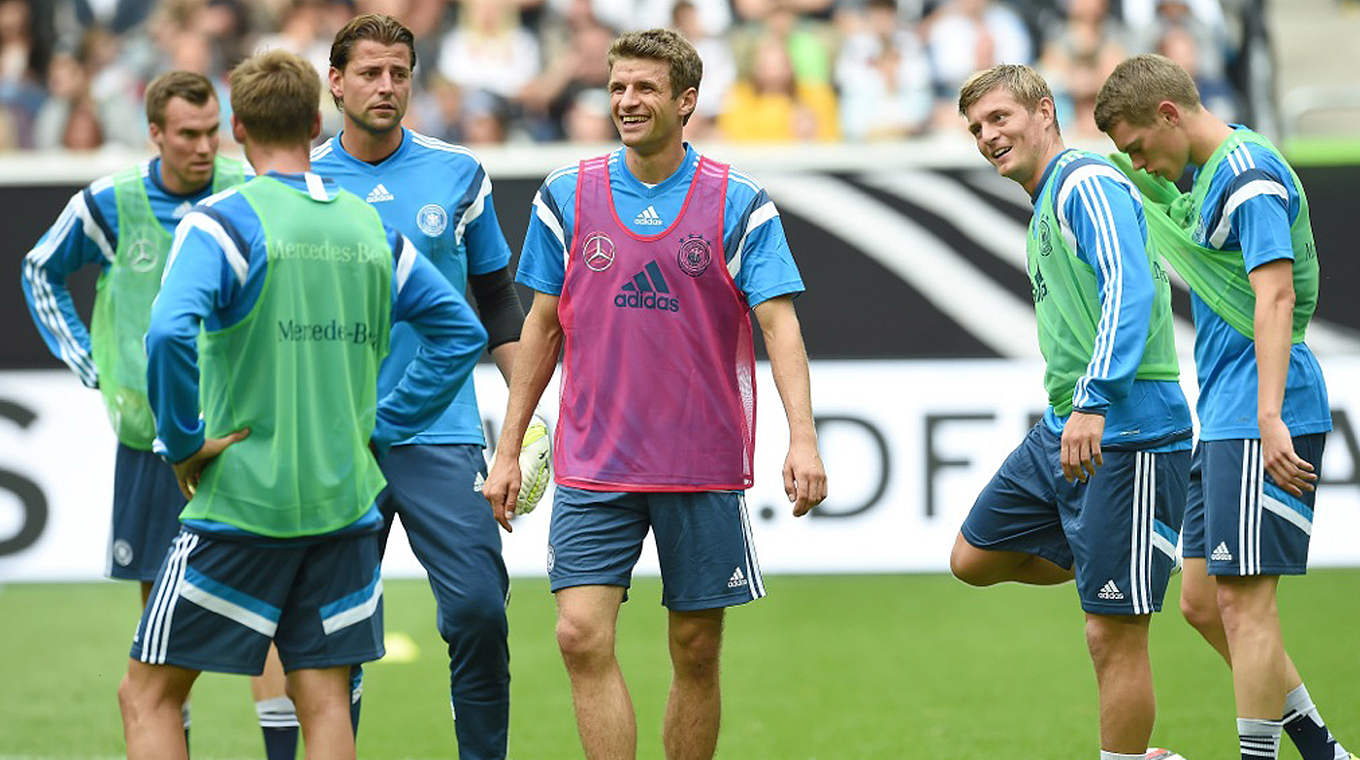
(756, 251)
(1100, 214)
(439, 197)
(1250, 205)
(87, 232)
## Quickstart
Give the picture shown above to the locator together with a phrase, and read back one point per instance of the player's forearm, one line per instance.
(54, 313)
(504, 356)
(535, 361)
(1273, 324)
(789, 365)
(172, 382)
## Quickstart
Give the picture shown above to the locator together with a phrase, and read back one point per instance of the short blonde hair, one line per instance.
(1023, 82)
(1137, 85)
(686, 68)
(275, 95)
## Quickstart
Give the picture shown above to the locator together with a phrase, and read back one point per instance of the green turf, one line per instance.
(831, 668)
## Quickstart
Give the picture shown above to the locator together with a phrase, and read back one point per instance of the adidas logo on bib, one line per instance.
(649, 217)
(737, 580)
(379, 194)
(647, 290)
(1221, 553)
(1110, 591)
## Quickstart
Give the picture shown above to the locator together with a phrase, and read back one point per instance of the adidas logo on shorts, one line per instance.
(1110, 591)
(1221, 553)
(737, 580)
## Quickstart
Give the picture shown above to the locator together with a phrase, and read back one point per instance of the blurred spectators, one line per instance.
(73, 72)
(884, 77)
(964, 36)
(1079, 53)
(771, 105)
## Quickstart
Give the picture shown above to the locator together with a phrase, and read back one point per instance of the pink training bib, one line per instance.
(658, 368)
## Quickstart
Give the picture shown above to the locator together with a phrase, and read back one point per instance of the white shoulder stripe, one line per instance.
(1088, 173)
(197, 220)
(549, 220)
(216, 198)
(742, 179)
(322, 150)
(436, 144)
(91, 228)
(1109, 258)
(556, 174)
(1242, 195)
(474, 209)
(765, 213)
(406, 262)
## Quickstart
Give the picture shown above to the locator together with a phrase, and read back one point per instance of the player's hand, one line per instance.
(502, 487)
(1081, 446)
(188, 472)
(1286, 468)
(804, 477)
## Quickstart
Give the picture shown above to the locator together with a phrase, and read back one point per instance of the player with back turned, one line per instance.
(1242, 239)
(656, 422)
(263, 352)
(1097, 489)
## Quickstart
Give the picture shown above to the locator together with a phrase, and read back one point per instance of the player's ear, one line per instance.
(335, 79)
(238, 130)
(316, 126)
(689, 99)
(1169, 113)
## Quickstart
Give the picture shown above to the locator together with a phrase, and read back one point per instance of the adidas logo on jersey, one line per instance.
(737, 580)
(1110, 591)
(649, 217)
(647, 290)
(379, 194)
(1221, 553)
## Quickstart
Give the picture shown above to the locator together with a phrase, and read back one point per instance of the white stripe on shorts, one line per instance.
(757, 583)
(156, 637)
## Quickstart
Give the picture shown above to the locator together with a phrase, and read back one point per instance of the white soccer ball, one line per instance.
(1157, 753)
(535, 465)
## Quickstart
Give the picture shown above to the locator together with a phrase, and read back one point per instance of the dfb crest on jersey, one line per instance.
(598, 252)
(695, 255)
(1045, 238)
(141, 255)
(432, 219)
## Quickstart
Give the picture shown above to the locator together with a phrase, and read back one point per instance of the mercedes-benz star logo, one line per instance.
(598, 252)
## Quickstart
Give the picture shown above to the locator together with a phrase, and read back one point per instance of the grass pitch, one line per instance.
(826, 668)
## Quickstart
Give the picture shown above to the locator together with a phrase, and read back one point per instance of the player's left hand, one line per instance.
(804, 478)
(188, 472)
(1081, 446)
(1289, 471)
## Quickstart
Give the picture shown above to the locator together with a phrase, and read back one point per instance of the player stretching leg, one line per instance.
(280, 295)
(1097, 490)
(439, 196)
(1242, 240)
(672, 287)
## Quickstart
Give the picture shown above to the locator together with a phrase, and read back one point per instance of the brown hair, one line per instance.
(370, 26)
(192, 87)
(1137, 85)
(275, 95)
(665, 46)
(1022, 82)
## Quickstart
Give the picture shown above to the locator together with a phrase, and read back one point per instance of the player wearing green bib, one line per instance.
(280, 295)
(1243, 241)
(1096, 491)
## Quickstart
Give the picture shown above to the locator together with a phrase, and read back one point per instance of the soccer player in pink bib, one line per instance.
(656, 427)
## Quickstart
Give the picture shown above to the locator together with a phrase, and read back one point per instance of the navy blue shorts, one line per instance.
(1117, 531)
(219, 601)
(703, 543)
(1239, 519)
(146, 507)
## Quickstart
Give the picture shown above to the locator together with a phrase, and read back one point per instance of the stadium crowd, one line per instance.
(72, 72)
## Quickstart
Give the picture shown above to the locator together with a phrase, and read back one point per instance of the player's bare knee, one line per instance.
(1244, 603)
(584, 643)
(969, 564)
(1110, 638)
(1200, 613)
(695, 650)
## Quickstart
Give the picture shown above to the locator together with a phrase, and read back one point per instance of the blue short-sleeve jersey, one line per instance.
(438, 196)
(86, 232)
(756, 251)
(1251, 203)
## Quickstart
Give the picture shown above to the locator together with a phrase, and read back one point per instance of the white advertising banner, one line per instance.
(907, 447)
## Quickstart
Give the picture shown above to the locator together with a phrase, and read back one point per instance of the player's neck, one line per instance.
(1051, 151)
(370, 147)
(1206, 133)
(284, 159)
(654, 168)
